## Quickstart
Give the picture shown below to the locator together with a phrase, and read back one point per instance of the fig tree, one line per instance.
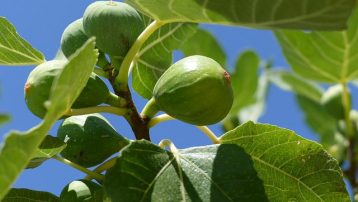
(115, 25)
(73, 38)
(79, 190)
(90, 139)
(38, 87)
(196, 90)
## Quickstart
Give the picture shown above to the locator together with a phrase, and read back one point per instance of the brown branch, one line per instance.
(138, 124)
(353, 164)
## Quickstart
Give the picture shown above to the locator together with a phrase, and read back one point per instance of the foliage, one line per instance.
(250, 161)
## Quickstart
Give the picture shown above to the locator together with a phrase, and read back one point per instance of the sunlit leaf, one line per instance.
(298, 14)
(14, 50)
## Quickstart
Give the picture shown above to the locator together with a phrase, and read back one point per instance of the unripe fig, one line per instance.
(79, 190)
(90, 139)
(73, 38)
(115, 25)
(196, 90)
(38, 88)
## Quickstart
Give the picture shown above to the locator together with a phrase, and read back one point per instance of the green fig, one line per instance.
(80, 190)
(195, 90)
(90, 139)
(115, 25)
(38, 87)
(73, 38)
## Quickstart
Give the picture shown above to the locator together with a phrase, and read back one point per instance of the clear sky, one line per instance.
(42, 22)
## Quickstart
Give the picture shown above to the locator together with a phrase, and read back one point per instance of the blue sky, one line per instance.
(42, 23)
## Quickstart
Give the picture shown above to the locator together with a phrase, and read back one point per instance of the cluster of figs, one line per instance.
(195, 90)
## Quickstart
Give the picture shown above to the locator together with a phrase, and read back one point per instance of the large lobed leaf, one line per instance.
(323, 56)
(26, 195)
(145, 172)
(14, 50)
(19, 148)
(291, 167)
(256, 162)
(297, 14)
(156, 55)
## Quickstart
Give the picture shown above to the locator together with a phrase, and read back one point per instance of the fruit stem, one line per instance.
(115, 101)
(122, 78)
(165, 117)
(104, 166)
(100, 72)
(210, 134)
(158, 119)
(168, 143)
(94, 175)
(150, 109)
(98, 109)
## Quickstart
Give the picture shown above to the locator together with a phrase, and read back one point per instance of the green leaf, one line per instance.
(73, 78)
(298, 85)
(318, 118)
(254, 104)
(244, 80)
(323, 56)
(4, 118)
(204, 43)
(297, 14)
(291, 167)
(17, 151)
(332, 101)
(14, 50)
(255, 110)
(19, 148)
(49, 147)
(157, 55)
(26, 195)
(145, 172)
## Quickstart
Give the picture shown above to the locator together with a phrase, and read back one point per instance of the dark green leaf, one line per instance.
(204, 43)
(145, 172)
(26, 195)
(291, 167)
(157, 55)
(298, 85)
(49, 147)
(14, 50)
(318, 14)
(323, 56)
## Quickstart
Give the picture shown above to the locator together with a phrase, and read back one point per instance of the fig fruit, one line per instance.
(38, 87)
(115, 25)
(195, 90)
(79, 190)
(73, 38)
(90, 139)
